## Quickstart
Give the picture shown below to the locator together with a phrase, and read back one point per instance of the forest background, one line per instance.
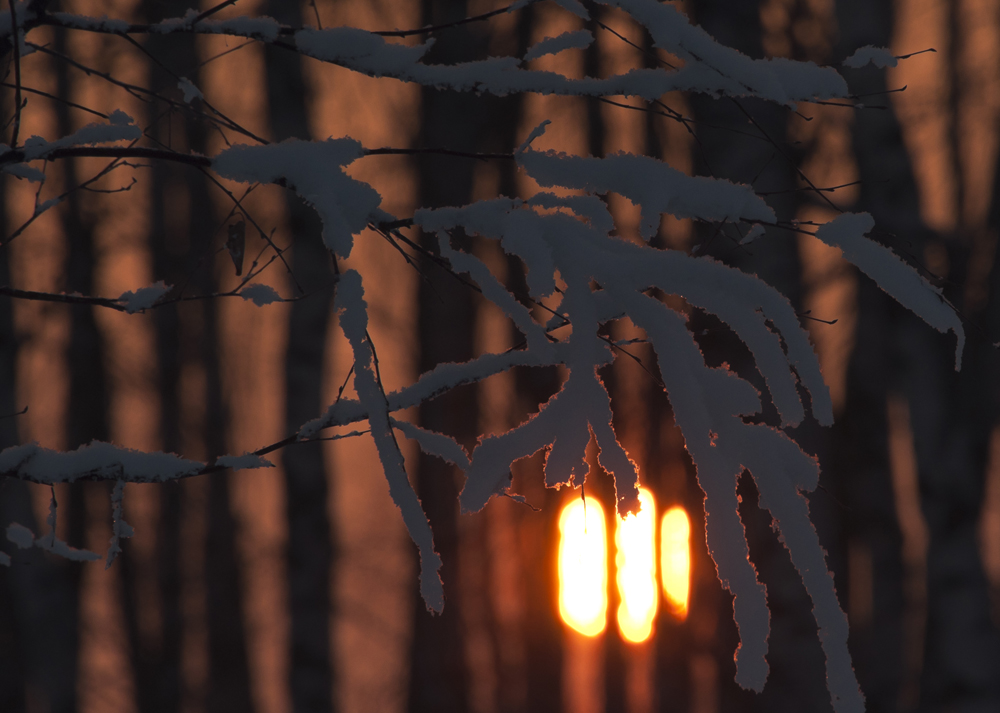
(294, 588)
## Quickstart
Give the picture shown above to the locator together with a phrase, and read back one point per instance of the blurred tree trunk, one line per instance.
(38, 601)
(310, 548)
(896, 352)
(187, 339)
(438, 675)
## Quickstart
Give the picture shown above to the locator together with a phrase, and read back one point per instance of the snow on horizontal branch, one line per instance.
(144, 297)
(651, 184)
(313, 169)
(899, 280)
(95, 460)
(710, 67)
(120, 127)
(878, 56)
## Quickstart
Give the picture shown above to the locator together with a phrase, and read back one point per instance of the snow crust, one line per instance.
(652, 184)
(260, 294)
(43, 465)
(191, 92)
(144, 297)
(313, 170)
(895, 277)
(579, 39)
(120, 127)
(244, 462)
(879, 56)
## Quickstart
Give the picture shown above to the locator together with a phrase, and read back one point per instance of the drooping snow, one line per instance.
(707, 405)
(313, 169)
(496, 293)
(899, 280)
(20, 536)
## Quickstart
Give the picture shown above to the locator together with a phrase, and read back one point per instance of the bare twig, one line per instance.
(16, 50)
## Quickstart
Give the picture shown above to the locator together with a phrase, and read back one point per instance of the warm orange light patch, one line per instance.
(583, 567)
(635, 541)
(675, 560)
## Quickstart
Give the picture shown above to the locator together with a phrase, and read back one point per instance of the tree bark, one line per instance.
(310, 548)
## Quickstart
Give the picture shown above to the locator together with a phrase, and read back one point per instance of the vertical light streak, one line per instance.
(583, 567)
(675, 560)
(635, 540)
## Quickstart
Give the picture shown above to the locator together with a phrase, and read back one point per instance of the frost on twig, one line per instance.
(144, 297)
(104, 460)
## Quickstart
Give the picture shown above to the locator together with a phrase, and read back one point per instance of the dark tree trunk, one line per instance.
(896, 352)
(310, 549)
(38, 597)
(438, 677)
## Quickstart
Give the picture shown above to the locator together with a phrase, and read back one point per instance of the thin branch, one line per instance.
(53, 97)
(16, 48)
(442, 152)
(448, 25)
(17, 156)
(212, 10)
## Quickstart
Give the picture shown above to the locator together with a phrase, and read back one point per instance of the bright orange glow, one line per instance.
(635, 540)
(675, 560)
(583, 567)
